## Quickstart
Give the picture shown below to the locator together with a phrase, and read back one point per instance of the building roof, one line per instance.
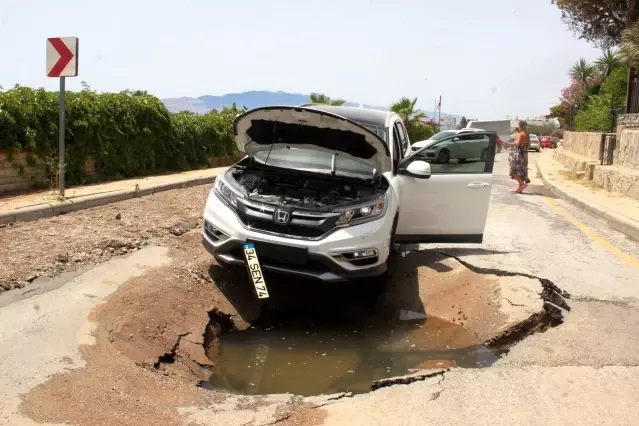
(358, 115)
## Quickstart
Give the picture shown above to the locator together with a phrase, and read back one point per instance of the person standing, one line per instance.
(518, 158)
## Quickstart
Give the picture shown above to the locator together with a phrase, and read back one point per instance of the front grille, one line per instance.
(292, 230)
(303, 223)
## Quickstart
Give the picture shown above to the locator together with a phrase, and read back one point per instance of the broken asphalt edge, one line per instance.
(616, 221)
(40, 211)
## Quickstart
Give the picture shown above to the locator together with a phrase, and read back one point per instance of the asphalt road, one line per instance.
(582, 372)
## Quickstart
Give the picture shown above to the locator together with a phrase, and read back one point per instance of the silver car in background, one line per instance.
(534, 143)
(466, 145)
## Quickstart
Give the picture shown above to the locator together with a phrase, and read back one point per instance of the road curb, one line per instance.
(614, 220)
(40, 211)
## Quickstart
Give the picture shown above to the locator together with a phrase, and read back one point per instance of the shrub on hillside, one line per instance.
(125, 134)
(600, 109)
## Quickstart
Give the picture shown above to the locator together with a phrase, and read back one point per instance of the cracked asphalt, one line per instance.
(584, 371)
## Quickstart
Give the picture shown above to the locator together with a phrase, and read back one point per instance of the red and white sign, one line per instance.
(62, 57)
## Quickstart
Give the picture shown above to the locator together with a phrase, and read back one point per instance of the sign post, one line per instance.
(62, 62)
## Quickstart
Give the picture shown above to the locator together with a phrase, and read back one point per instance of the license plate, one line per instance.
(255, 270)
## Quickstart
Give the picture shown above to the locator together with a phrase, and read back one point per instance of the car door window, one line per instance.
(403, 137)
(397, 154)
(464, 153)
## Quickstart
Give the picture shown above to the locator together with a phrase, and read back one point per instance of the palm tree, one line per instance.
(607, 62)
(582, 71)
(629, 47)
(320, 98)
(405, 108)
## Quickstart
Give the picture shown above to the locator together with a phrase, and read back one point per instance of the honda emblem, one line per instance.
(281, 217)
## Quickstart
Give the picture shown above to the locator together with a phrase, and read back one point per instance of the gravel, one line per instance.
(48, 247)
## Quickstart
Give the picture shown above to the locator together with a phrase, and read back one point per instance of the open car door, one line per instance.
(446, 202)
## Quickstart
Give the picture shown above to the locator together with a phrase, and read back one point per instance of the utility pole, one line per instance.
(631, 19)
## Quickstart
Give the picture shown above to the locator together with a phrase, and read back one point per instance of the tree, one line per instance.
(544, 130)
(597, 21)
(598, 111)
(405, 108)
(562, 113)
(421, 132)
(607, 62)
(320, 98)
(582, 71)
(629, 47)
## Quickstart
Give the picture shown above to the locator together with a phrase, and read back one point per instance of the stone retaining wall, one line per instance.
(627, 150)
(619, 180)
(572, 161)
(586, 144)
(16, 175)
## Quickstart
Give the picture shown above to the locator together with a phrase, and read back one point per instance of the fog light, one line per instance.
(360, 254)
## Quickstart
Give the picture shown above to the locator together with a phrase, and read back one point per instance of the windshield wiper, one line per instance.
(334, 164)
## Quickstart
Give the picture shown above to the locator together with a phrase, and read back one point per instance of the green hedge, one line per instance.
(599, 111)
(127, 134)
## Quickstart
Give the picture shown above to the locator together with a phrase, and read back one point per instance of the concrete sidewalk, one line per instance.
(621, 213)
(41, 204)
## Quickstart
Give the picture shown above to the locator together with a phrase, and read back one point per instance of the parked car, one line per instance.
(534, 143)
(460, 145)
(326, 192)
(546, 142)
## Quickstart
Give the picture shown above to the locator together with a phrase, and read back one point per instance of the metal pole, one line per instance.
(61, 136)
(440, 114)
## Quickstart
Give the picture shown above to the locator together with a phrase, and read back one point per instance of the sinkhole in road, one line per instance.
(309, 357)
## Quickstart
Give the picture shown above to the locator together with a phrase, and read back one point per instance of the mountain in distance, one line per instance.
(251, 99)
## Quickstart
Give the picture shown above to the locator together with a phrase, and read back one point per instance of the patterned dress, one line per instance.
(518, 159)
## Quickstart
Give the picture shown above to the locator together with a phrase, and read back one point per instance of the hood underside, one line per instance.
(282, 127)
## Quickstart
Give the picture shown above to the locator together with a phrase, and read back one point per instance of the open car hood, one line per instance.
(305, 127)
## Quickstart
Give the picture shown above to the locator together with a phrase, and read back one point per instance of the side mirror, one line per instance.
(418, 169)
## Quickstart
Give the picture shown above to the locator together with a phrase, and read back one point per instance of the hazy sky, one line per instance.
(486, 58)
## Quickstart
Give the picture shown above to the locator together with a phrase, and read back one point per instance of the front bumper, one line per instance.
(319, 259)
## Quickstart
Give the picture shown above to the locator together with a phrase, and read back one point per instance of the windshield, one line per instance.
(442, 135)
(380, 131)
(312, 160)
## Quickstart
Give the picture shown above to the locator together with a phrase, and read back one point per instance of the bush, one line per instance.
(420, 132)
(126, 134)
(541, 130)
(599, 110)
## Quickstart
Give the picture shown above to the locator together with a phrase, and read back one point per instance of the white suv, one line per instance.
(325, 192)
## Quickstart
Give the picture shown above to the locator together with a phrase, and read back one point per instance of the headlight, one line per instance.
(363, 213)
(226, 194)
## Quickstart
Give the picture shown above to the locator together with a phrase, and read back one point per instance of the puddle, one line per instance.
(308, 359)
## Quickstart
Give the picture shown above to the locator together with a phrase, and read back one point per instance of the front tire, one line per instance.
(443, 157)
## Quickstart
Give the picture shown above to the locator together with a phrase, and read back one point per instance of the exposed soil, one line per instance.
(157, 335)
(47, 247)
(161, 312)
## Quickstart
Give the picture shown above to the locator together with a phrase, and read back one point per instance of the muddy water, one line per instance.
(308, 359)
